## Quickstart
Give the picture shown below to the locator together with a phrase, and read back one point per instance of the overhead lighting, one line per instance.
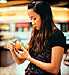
(3, 1)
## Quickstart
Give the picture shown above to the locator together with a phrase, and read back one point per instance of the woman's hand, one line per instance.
(10, 46)
(24, 54)
(14, 49)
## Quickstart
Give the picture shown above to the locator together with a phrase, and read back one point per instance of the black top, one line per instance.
(57, 39)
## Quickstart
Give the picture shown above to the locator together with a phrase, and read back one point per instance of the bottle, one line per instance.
(16, 44)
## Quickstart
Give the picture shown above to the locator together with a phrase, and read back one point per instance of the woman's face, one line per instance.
(35, 18)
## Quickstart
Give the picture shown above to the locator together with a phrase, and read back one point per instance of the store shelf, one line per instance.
(9, 36)
(66, 34)
(13, 3)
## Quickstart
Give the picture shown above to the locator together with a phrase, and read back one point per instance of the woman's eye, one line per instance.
(34, 18)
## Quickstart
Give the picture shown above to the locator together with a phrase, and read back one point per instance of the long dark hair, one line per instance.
(39, 38)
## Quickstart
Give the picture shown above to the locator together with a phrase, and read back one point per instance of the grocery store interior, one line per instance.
(15, 24)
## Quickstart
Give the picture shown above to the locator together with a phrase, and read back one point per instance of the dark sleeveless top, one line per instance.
(57, 39)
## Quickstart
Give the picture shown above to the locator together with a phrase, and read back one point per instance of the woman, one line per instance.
(46, 47)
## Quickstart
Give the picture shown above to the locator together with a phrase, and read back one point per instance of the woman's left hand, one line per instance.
(24, 54)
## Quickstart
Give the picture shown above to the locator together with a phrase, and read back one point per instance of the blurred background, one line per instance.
(15, 24)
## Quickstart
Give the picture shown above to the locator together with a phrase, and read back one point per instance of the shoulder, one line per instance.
(57, 39)
(57, 34)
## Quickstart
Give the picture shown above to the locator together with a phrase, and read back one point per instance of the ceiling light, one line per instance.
(3, 1)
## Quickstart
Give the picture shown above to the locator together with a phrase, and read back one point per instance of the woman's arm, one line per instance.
(56, 57)
(53, 67)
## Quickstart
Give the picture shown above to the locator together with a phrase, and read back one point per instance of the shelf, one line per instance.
(13, 3)
(66, 34)
(21, 36)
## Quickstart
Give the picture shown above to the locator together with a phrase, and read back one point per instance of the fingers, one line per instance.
(15, 50)
(23, 48)
(19, 54)
(9, 46)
